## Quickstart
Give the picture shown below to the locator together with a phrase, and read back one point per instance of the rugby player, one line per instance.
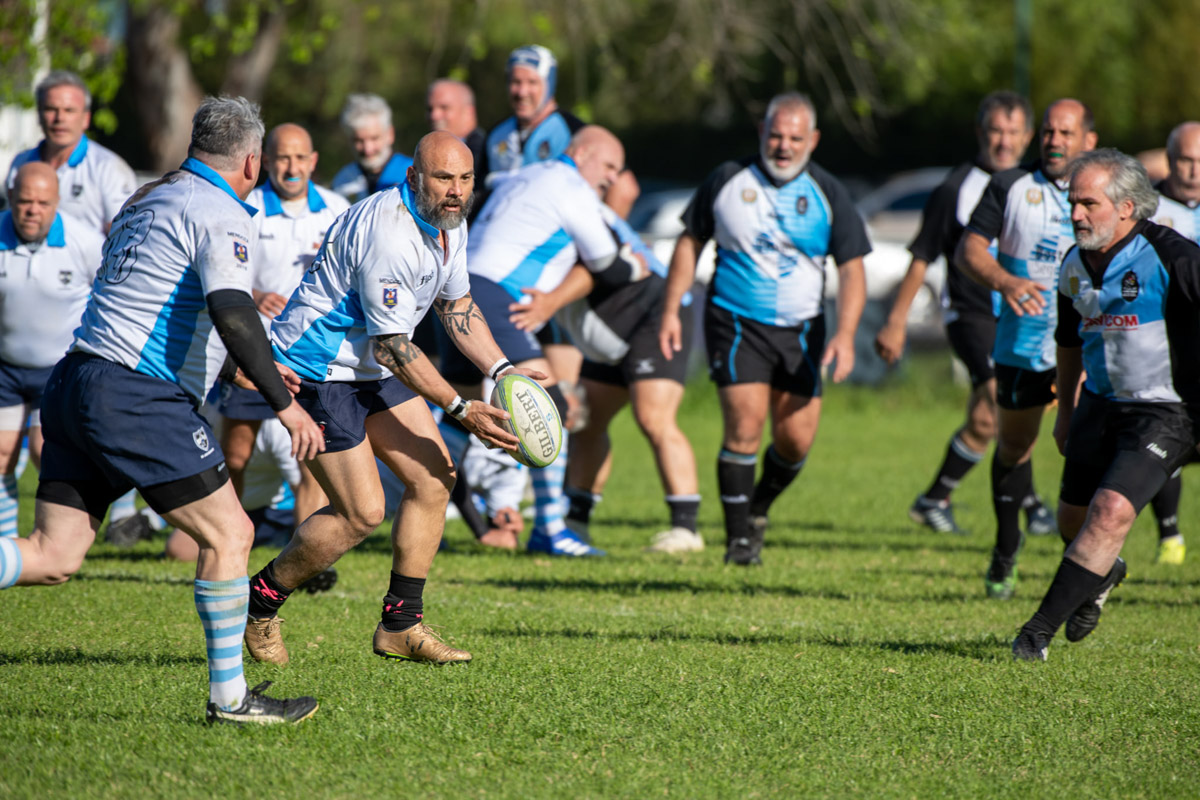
(1003, 129)
(47, 262)
(776, 217)
(367, 120)
(347, 332)
(120, 408)
(1129, 316)
(1025, 212)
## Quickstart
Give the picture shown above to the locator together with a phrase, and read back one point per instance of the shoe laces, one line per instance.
(270, 704)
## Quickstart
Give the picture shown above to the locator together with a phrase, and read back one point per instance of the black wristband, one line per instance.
(500, 366)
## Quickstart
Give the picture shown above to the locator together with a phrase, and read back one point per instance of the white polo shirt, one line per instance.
(378, 272)
(93, 184)
(44, 289)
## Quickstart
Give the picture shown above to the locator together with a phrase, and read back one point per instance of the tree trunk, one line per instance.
(246, 74)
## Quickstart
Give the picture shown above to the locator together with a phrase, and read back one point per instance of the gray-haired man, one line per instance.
(367, 120)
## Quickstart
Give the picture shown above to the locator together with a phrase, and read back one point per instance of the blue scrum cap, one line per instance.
(538, 59)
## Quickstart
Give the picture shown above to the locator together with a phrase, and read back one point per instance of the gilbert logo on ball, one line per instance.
(533, 419)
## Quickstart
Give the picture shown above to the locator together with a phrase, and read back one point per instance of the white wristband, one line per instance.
(498, 367)
(457, 408)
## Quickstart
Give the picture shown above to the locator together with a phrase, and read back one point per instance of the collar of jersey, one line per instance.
(202, 170)
(410, 203)
(272, 205)
(566, 159)
(77, 155)
(10, 241)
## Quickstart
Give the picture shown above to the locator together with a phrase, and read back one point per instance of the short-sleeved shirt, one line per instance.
(1029, 217)
(43, 289)
(773, 239)
(1135, 311)
(176, 241)
(536, 225)
(92, 184)
(352, 183)
(509, 148)
(378, 272)
(288, 240)
(1183, 217)
(945, 216)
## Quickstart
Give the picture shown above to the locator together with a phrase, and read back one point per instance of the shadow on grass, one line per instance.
(983, 648)
(643, 587)
(65, 656)
(129, 577)
(113, 554)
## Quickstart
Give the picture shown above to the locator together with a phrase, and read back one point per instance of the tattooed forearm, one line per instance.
(458, 316)
(395, 351)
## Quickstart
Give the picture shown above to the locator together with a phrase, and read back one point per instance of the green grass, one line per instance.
(862, 660)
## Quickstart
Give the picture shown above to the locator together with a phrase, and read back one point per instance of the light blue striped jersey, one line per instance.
(351, 182)
(509, 148)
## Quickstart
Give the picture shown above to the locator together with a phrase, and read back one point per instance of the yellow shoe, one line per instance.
(1171, 551)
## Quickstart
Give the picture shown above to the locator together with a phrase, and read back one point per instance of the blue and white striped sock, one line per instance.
(10, 562)
(550, 503)
(8, 505)
(123, 507)
(222, 606)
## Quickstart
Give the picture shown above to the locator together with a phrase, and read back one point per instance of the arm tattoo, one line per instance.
(395, 351)
(458, 315)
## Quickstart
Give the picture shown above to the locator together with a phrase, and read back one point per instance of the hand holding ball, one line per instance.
(533, 419)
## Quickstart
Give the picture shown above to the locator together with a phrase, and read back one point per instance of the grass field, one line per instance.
(862, 659)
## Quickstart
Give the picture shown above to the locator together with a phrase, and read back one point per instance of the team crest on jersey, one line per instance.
(749, 195)
(77, 190)
(390, 295)
(544, 150)
(1167, 221)
(502, 148)
(1129, 286)
(1033, 196)
(64, 276)
(802, 205)
(240, 252)
(1073, 283)
(200, 437)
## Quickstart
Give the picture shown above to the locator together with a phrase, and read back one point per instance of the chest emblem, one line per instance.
(1129, 286)
(77, 190)
(749, 195)
(801, 205)
(544, 151)
(240, 252)
(502, 148)
(64, 276)
(390, 294)
(1073, 283)
(1033, 196)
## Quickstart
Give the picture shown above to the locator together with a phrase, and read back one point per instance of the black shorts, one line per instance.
(1018, 389)
(971, 338)
(341, 408)
(741, 350)
(1129, 448)
(645, 361)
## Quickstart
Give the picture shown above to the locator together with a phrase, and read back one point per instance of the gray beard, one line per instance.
(439, 218)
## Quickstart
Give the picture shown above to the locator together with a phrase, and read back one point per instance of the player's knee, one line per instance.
(1110, 513)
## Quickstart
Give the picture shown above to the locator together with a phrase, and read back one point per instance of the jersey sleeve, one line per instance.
(698, 218)
(988, 217)
(584, 223)
(938, 221)
(387, 267)
(1066, 334)
(848, 236)
(225, 244)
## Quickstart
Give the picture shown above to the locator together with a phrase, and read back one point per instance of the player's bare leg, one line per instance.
(237, 443)
(56, 548)
(13, 419)
(655, 405)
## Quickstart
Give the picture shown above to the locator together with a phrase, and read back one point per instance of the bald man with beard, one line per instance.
(347, 332)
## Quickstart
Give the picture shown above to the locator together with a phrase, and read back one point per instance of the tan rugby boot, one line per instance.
(264, 641)
(417, 643)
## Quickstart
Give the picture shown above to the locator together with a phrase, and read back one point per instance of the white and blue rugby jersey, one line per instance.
(536, 225)
(176, 241)
(43, 290)
(1028, 216)
(288, 241)
(772, 239)
(351, 183)
(1184, 218)
(1135, 311)
(92, 184)
(509, 148)
(378, 272)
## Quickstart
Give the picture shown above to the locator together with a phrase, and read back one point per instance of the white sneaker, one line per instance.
(676, 540)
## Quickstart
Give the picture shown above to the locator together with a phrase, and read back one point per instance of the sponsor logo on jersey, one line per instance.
(426, 278)
(77, 190)
(749, 195)
(1033, 196)
(801, 205)
(1046, 250)
(64, 276)
(544, 151)
(240, 252)
(502, 148)
(1111, 322)
(266, 236)
(1158, 451)
(1073, 283)
(1129, 287)
(390, 295)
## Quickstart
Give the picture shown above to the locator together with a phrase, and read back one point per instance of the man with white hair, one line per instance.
(1129, 316)
(120, 410)
(47, 262)
(367, 120)
(776, 218)
(93, 181)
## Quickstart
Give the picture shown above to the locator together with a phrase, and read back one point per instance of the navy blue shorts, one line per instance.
(518, 346)
(20, 385)
(341, 408)
(238, 403)
(109, 429)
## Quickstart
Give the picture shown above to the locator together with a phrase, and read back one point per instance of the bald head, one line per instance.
(599, 155)
(287, 134)
(1067, 131)
(1183, 161)
(289, 159)
(451, 107)
(34, 200)
(443, 178)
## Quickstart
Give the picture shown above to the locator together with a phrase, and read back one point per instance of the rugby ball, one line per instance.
(533, 419)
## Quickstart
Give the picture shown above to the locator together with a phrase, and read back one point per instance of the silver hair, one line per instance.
(1174, 137)
(360, 106)
(1127, 179)
(62, 77)
(790, 100)
(226, 129)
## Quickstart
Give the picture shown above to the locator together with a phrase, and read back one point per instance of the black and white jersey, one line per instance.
(946, 214)
(1135, 311)
(1177, 214)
